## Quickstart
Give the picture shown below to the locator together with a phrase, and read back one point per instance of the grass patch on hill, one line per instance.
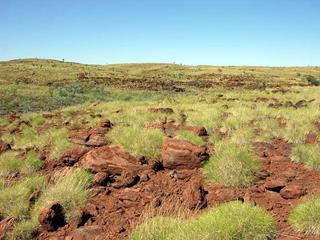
(305, 217)
(229, 221)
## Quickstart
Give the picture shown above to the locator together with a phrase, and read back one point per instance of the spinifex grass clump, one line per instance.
(11, 162)
(14, 199)
(231, 165)
(71, 191)
(138, 140)
(305, 217)
(229, 221)
(309, 154)
(190, 136)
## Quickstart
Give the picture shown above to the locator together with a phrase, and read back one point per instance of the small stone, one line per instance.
(275, 185)
(144, 178)
(292, 191)
(101, 178)
(52, 217)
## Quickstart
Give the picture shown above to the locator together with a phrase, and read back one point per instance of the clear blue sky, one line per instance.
(217, 32)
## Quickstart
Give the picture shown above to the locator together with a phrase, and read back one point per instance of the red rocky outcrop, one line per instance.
(89, 137)
(292, 191)
(161, 110)
(194, 194)
(52, 217)
(4, 146)
(179, 154)
(71, 156)
(111, 159)
(5, 225)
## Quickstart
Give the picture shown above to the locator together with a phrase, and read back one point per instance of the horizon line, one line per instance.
(62, 60)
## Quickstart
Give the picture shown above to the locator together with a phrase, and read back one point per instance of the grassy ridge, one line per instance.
(41, 71)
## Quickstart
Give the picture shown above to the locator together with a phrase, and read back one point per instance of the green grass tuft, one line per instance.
(14, 199)
(190, 136)
(229, 221)
(305, 217)
(138, 141)
(70, 191)
(10, 162)
(231, 165)
(309, 154)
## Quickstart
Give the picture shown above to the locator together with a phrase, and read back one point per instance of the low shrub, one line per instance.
(313, 80)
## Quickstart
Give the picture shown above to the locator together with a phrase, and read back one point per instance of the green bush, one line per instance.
(231, 165)
(10, 162)
(309, 154)
(14, 199)
(190, 136)
(74, 188)
(229, 221)
(138, 141)
(313, 80)
(305, 217)
(70, 191)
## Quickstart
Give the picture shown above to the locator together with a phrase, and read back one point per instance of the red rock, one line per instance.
(311, 138)
(275, 185)
(194, 194)
(52, 217)
(87, 233)
(89, 137)
(101, 178)
(3, 130)
(106, 123)
(200, 131)
(179, 154)
(161, 110)
(127, 178)
(71, 156)
(11, 117)
(5, 225)
(292, 191)
(4, 146)
(111, 159)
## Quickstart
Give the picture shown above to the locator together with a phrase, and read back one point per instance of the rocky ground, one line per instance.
(125, 185)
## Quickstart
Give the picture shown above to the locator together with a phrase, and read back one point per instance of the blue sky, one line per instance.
(229, 32)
